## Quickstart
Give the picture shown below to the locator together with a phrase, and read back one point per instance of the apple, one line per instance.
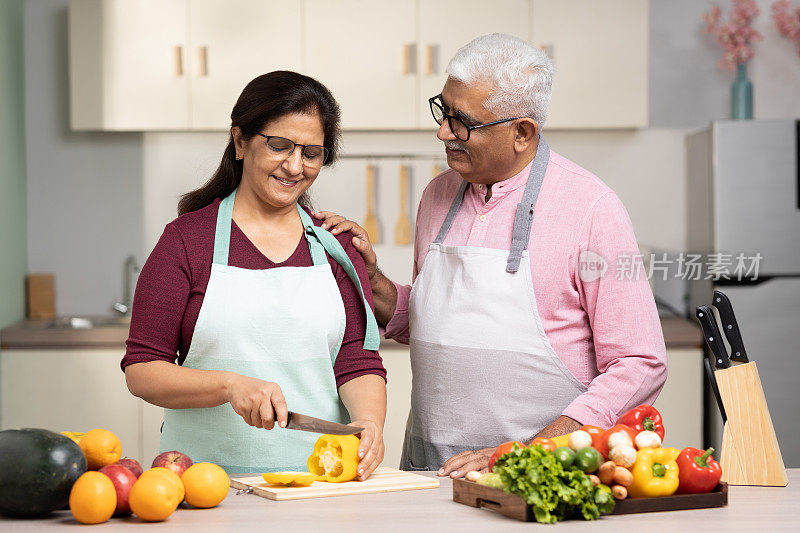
(132, 465)
(176, 461)
(123, 480)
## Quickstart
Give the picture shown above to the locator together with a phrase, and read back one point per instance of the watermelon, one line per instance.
(37, 470)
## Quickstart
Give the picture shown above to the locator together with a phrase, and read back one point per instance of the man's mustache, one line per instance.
(453, 145)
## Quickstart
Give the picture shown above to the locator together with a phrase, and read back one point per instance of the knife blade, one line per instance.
(730, 327)
(712, 379)
(317, 425)
(712, 335)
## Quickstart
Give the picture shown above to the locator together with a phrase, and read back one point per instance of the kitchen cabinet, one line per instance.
(75, 390)
(600, 53)
(364, 51)
(180, 64)
(175, 64)
(128, 65)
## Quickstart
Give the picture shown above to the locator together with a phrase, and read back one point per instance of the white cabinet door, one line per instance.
(364, 52)
(600, 54)
(69, 390)
(127, 64)
(231, 43)
(447, 25)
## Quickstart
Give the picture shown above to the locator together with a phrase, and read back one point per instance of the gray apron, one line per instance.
(483, 370)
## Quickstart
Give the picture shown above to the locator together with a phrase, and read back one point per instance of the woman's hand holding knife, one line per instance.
(260, 403)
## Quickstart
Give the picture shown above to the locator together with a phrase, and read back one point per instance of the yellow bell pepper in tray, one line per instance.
(655, 473)
(335, 458)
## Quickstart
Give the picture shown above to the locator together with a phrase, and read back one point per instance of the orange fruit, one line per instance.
(156, 495)
(206, 484)
(101, 448)
(171, 476)
(93, 498)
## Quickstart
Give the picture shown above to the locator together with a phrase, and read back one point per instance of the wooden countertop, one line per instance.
(30, 334)
(749, 509)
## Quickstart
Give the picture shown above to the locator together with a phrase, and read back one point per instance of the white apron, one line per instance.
(282, 324)
(483, 370)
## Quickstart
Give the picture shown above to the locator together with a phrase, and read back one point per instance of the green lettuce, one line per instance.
(553, 491)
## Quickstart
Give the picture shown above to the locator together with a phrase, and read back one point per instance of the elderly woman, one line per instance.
(261, 309)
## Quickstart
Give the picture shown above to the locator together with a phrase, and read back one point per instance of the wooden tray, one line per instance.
(511, 505)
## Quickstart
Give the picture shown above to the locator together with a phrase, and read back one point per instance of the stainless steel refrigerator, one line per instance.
(744, 201)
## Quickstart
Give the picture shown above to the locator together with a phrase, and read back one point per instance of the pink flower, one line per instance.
(737, 35)
(786, 22)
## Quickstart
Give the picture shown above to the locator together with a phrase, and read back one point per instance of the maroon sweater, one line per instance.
(173, 283)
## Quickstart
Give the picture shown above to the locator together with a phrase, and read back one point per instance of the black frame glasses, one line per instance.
(281, 149)
(437, 110)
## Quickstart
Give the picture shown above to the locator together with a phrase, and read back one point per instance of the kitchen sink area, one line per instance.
(67, 332)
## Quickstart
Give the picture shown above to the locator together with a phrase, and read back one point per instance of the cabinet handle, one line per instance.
(409, 58)
(433, 59)
(203, 53)
(179, 61)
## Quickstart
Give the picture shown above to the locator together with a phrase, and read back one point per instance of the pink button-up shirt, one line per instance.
(605, 328)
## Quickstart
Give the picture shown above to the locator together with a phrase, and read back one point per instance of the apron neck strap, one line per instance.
(222, 235)
(323, 241)
(524, 215)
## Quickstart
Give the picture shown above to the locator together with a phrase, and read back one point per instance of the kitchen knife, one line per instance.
(712, 379)
(730, 327)
(316, 425)
(712, 335)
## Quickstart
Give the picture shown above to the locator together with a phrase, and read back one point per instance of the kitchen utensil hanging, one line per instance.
(750, 452)
(402, 230)
(371, 225)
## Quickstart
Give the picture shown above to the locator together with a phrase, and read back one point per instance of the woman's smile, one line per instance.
(286, 182)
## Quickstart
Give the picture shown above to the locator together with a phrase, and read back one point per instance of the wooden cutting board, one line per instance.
(384, 479)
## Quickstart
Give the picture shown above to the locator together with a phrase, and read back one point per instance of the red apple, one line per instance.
(132, 465)
(176, 461)
(123, 480)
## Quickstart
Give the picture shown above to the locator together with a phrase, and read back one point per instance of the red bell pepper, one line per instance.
(698, 472)
(603, 445)
(644, 418)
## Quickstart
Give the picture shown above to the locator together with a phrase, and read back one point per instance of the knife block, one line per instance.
(750, 452)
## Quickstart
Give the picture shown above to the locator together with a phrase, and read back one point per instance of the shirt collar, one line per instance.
(504, 187)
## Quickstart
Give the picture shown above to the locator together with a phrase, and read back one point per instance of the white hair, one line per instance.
(521, 74)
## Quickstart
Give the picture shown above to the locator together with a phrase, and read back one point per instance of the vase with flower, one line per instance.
(736, 36)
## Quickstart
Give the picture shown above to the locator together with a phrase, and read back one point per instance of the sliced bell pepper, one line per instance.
(294, 479)
(698, 472)
(561, 440)
(335, 458)
(644, 417)
(655, 473)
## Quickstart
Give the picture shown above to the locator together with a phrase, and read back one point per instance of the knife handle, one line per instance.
(711, 333)
(730, 327)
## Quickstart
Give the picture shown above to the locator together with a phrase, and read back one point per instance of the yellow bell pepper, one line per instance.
(655, 473)
(335, 458)
(74, 435)
(295, 479)
(561, 440)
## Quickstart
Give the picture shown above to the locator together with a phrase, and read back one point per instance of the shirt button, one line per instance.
(482, 218)
(480, 187)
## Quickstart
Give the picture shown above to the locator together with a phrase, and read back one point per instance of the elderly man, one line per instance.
(518, 323)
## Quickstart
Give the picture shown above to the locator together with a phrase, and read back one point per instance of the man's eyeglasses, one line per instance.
(459, 128)
(314, 155)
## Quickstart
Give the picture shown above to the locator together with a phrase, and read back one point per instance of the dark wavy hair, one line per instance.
(267, 98)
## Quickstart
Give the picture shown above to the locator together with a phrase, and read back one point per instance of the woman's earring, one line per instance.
(239, 157)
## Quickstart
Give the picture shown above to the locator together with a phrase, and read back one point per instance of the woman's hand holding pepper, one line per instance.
(260, 403)
(371, 447)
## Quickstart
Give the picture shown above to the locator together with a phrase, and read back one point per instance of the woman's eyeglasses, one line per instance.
(314, 155)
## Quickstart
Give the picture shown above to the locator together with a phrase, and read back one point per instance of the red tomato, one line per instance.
(596, 433)
(501, 450)
(604, 442)
(545, 443)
